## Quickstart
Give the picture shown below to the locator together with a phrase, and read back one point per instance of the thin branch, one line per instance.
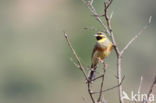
(78, 60)
(118, 54)
(137, 35)
(102, 82)
(112, 87)
(98, 77)
(90, 92)
(80, 66)
(110, 33)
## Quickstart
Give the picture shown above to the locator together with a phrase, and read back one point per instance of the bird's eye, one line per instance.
(99, 33)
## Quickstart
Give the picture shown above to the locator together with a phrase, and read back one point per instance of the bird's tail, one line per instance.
(91, 74)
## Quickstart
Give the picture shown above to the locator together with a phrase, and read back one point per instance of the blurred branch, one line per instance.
(137, 35)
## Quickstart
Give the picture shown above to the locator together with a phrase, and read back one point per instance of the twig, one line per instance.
(80, 66)
(110, 33)
(137, 35)
(101, 88)
(90, 92)
(118, 54)
(98, 77)
(112, 87)
(78, 60)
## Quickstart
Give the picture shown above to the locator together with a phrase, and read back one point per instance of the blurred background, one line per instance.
(36, 65)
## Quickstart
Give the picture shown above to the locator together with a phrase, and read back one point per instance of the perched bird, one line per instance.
(102, 48)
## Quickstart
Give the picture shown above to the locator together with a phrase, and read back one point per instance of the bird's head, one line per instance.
(100, 35)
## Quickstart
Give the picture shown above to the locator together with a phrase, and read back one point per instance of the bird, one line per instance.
(101, 50)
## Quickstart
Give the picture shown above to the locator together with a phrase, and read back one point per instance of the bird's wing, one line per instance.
(96, 47)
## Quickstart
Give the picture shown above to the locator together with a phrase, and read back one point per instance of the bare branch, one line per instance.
(109, 31)
(101, 88)
(78, 60)
(98, 77)
(137, 35)
(112, 87)
(90, 92)
(80, 66)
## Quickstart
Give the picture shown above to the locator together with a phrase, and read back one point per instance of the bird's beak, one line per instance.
(95, 35)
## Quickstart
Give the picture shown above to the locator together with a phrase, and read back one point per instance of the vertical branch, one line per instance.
(118, 54)
(102, 82)
(90, 92)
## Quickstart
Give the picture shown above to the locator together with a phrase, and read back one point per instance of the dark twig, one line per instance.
(98, 77)
(90, 92)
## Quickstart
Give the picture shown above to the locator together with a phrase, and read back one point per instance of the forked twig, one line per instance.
(77, 58)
